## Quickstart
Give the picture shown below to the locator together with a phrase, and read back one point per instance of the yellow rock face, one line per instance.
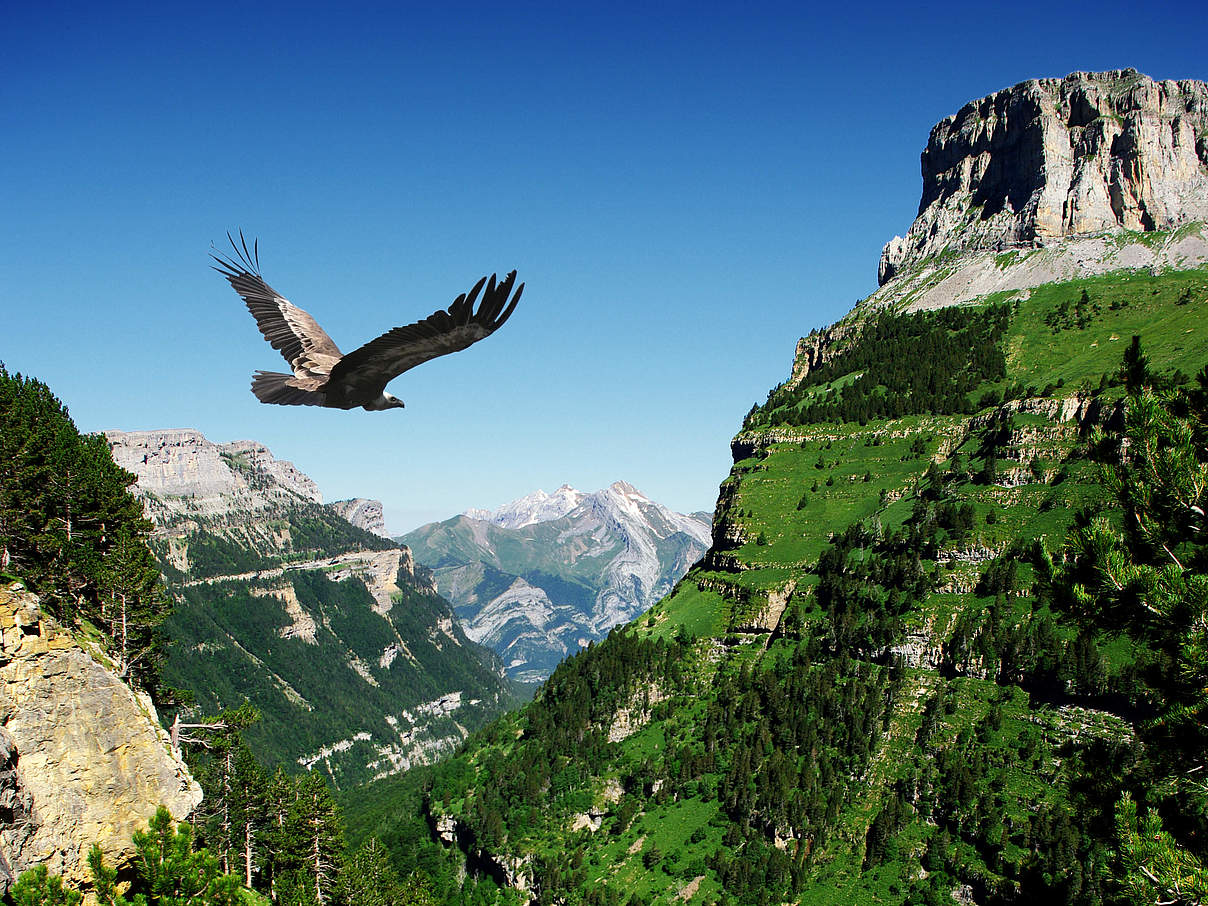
(83, 758)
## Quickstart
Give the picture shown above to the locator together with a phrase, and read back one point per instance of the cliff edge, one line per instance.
(1049, 158)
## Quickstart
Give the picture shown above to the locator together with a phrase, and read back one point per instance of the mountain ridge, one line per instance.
(356, 665)
(545, 574)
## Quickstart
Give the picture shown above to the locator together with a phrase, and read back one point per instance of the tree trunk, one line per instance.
(226, 810)
(247, 854)
(123, 656)
(318, 854)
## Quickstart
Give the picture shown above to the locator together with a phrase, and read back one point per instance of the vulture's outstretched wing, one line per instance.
(379, 361)
(288, 328)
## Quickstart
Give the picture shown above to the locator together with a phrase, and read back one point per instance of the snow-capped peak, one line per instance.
(531, 508)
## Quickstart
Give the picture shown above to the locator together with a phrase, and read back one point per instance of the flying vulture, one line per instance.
(324, 376)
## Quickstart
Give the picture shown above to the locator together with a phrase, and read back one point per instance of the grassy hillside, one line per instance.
(874, 688)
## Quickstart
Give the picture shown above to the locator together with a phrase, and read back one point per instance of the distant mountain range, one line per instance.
(542, 576)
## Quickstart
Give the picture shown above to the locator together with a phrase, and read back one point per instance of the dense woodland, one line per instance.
(962, 350)
(73, 532)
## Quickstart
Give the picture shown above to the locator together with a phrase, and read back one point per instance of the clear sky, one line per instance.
(685, 188)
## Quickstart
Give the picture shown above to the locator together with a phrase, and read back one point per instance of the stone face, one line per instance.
(1050, 158)
(238, 490)
(181, 475)
(83, 759)
(365, 514)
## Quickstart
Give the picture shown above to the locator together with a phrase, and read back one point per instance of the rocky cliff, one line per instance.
(84, 759)
(364, 514)
(1052, 179)
(1061, 157)
(180, 463)
(195, 490)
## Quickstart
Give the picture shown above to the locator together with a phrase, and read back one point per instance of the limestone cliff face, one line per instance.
(194, 476)
(83, 759)
(236, 490)
(365, 514)
(1050, 158)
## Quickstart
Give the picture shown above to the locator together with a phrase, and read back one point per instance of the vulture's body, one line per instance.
(324, 376)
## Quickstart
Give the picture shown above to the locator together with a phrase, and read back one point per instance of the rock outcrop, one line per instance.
(364, 514)
(83, 758)
(183, 476)
(238, 491)
(1050, 158)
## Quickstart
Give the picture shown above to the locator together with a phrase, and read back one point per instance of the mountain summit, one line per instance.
(531, 508)
(542, 576)
(1053, 179)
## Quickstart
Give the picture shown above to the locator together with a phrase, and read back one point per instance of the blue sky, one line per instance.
(685, 192)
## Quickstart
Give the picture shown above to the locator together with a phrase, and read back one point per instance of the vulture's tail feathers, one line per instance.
(271, 387)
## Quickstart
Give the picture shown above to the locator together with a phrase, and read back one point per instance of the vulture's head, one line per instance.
(385, 401)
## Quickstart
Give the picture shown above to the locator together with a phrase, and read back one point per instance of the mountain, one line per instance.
(535, 507)
(1055, 179)
(946, 644)
(546, 574)
(355, 663)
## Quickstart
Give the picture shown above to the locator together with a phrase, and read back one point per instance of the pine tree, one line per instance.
(1142, 572)
(1135, 369)
(313, 837)
(170, 871)
(37, 887)
(368, 879)
(132, 599)
(249, 811)
(278, 863)
(71, 529)
(1157, 868)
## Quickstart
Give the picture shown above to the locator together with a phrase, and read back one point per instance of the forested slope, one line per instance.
(943, 642)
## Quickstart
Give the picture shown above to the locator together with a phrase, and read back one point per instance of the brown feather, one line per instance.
(323, 376)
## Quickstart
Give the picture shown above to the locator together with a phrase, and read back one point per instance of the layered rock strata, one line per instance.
(364, 514)
(1050, 158)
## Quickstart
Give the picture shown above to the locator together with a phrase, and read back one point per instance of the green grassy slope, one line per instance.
(863, 695)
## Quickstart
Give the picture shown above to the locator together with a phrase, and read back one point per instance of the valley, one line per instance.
(888, 679)
(942, 639)
(356, 665)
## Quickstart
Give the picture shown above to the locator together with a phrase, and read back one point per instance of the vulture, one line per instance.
(324, 376)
